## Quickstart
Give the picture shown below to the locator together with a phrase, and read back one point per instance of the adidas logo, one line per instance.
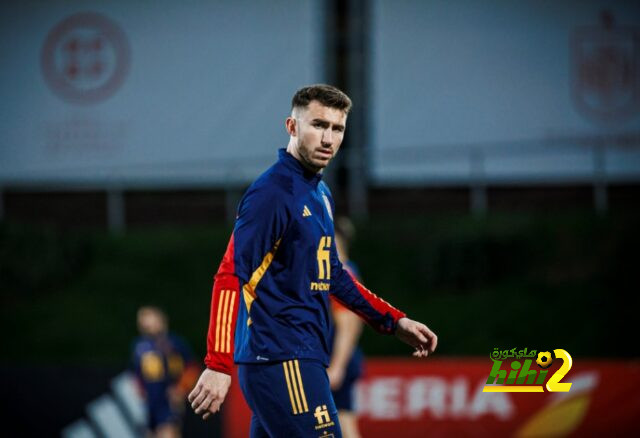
(306, 212)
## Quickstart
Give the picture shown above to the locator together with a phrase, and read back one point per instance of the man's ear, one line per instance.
(292, 127)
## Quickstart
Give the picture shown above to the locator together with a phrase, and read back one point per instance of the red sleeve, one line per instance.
(223, 316)
(262, 219)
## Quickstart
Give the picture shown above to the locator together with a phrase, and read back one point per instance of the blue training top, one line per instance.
(270, 296)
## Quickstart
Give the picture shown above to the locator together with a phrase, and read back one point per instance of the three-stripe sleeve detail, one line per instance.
(230, 317)
(224, 319)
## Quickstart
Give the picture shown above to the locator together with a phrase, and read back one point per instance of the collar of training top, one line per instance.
(294, 165)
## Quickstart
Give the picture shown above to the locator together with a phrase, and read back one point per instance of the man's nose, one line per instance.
(327, 136)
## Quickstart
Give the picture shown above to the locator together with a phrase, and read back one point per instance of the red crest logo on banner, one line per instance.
(85, 58)
(605, 64)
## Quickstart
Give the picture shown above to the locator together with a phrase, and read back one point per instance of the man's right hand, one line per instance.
(209, 393)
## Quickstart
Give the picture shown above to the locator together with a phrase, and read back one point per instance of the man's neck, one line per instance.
(293, 151)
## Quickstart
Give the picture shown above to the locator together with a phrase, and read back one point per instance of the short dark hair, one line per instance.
(327, 95)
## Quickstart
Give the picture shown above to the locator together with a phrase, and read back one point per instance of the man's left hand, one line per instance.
(418, 335)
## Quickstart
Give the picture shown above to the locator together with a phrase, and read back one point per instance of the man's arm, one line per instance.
(348, 328)
(224, 312)
(260, 224)
(379, 314)
(212, 386)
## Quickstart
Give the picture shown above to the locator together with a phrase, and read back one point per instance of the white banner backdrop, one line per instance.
(513, 92)
(150, 93)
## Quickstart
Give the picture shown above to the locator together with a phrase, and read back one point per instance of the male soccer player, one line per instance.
(345, 366)
(165, 369)
(270, 310)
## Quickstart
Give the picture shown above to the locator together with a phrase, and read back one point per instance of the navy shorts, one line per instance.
(343, 396)
(289, 399)
(160, 412)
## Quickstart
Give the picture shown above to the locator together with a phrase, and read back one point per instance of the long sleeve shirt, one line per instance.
(270, 294)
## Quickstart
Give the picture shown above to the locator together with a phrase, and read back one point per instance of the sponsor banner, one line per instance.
(444, 397)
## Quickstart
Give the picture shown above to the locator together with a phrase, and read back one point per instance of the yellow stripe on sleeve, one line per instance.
(230, 310)
(225, 314)
(220, 300)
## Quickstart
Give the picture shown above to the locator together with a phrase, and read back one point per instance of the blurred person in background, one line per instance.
(270, 310)
(345, 367)
(164, 366)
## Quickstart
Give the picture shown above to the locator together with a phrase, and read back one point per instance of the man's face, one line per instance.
(318, 131)
(150, 322)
